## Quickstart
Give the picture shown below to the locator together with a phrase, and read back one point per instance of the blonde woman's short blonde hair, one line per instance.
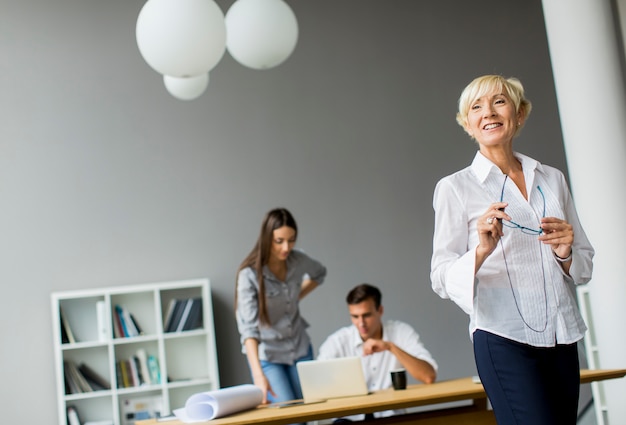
(480, 86)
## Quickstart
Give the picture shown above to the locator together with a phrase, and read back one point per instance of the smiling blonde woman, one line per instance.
(508, 249)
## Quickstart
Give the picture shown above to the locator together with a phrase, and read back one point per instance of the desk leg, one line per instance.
(480, 404)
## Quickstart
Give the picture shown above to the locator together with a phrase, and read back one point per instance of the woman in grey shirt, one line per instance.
(271, 281)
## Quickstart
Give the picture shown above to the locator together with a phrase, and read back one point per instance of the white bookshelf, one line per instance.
(593, 356)
(187, 360)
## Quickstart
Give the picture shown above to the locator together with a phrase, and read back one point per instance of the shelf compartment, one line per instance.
(186, 358)
(128, 352)
(94, 408)
(81, 315)
(139, 407)
(141, 306)
(97, 359)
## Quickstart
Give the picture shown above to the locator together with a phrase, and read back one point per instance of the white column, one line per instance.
(592, 106)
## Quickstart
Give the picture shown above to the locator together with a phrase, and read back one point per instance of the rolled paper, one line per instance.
(209, 405)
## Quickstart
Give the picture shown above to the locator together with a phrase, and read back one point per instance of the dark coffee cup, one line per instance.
(398, 379)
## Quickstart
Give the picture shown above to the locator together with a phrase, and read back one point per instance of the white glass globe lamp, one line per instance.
(186, 88)
(181, 38)
(261, 34)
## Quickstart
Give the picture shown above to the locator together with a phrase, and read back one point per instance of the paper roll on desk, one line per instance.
(209, 405)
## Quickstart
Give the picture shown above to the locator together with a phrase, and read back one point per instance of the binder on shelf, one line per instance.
(153, 367)
(168, 314)
(179, 306)
(103, 329)
(184, 315)
(194, 321)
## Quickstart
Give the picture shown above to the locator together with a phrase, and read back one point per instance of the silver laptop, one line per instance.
(332, 378)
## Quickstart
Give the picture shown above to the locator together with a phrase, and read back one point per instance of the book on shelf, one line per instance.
(118, 332)
(134, 371)
(95, 380)
(139, 369)
(124, 371)
(130, 323)
(64, 338)
(72, 416)
(120, 316)
(71, 385)
(81, 382)
(74, 379)
(126, 323)
(119, 379)
(142, 357)
(183, 315)
(135, 324)
(67, 336)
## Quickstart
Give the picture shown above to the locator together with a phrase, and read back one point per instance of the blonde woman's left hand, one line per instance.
(559, 234)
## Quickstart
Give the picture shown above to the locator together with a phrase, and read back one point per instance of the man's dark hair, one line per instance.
(363, 292)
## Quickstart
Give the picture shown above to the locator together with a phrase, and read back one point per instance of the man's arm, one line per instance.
(419, 369)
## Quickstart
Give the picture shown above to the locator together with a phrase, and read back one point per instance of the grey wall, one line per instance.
(106, 180)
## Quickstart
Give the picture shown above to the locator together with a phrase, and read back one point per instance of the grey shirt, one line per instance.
(285, 339)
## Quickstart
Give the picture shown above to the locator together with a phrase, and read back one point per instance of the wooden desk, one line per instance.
(413, 396)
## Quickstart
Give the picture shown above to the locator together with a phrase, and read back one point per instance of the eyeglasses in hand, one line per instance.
(514, 225)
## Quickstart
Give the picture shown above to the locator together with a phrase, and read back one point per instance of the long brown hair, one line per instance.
(260, 254)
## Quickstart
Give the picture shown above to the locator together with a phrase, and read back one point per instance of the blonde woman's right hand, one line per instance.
(489, 228)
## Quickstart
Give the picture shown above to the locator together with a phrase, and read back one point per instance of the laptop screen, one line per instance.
(331, 378)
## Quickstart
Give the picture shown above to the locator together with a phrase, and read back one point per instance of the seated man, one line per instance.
(382, 347)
